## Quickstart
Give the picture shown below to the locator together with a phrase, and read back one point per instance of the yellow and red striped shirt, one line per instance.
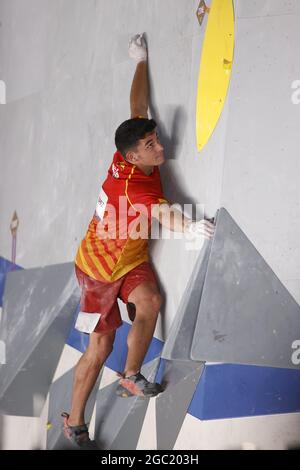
(117, 237)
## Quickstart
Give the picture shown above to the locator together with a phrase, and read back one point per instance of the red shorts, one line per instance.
(100, 298)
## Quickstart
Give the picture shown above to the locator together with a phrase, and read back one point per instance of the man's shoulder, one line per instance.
(119, 168)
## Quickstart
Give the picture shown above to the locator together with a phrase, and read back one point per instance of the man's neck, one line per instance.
(147, 170)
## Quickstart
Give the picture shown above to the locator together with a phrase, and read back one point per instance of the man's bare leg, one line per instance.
(86, 373)
(147, 300)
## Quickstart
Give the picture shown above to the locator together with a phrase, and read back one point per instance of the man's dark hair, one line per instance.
(131, 131)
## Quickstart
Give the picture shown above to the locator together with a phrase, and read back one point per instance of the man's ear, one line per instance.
(131, 157)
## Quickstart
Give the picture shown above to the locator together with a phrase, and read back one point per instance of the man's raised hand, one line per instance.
(138, 48)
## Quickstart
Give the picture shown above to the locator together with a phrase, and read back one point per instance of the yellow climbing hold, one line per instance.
(215, 69)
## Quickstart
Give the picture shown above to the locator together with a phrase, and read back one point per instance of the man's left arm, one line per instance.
(175, 220)
(139, 93)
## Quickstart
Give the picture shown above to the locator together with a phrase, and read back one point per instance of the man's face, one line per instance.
(149, 151)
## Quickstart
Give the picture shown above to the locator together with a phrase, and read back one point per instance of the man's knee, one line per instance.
(156, 301)
(146, 297)
(151, 300)
(101, 344)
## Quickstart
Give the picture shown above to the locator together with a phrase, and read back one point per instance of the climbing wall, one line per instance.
(226, 346)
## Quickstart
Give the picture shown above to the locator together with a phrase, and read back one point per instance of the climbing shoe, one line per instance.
(78, 435)
(137, 385)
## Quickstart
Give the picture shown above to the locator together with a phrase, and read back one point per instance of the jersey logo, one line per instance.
(115, 171)
(101, 204)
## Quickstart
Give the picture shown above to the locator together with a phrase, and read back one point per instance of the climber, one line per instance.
(112, 260)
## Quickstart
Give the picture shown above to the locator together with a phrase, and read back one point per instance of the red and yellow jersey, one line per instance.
(117, 237)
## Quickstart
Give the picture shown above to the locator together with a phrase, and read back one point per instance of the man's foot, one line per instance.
(78, 435)
(137, 385)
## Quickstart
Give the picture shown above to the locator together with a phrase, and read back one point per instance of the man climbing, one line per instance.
(112, 260)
